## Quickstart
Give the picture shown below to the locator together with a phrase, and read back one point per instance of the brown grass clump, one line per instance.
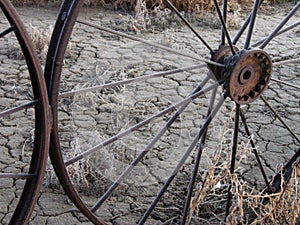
(129, 5)
(250, 205)
(41, 39)
(182, 5)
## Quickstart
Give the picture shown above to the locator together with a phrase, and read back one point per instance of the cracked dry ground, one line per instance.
(86, 120)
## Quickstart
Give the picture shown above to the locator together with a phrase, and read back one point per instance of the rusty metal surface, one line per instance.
(250, 76)
(38, 161)
(58, 44)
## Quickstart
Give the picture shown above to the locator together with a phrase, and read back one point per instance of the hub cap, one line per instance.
(250, 76)
(247, 73)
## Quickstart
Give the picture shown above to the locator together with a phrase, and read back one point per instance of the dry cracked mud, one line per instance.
(95, 117)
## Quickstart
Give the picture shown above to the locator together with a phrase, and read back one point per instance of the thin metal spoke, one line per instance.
(224, 28)
(197, 163)
(189, 25)
(278, 33)
(16, 175)
(7, 31)
(19, 108)
(140, 156)
(287, 61)
(285, 83)
(244, 26)
(287, 170)
(252, 23)
(195, 57)
(183, 159)
(142, 123)
(280, 25)
(255, 151)
(279, 118)
(127, 81)
(225, 19)
(233, 155)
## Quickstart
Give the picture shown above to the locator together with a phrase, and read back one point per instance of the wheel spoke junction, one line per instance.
(159, 128)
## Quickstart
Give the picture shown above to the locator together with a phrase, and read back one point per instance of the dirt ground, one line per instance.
(94, 58)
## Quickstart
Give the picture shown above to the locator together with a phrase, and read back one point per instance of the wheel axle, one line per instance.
(246, 74)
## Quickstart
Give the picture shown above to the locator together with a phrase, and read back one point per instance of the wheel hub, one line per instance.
(246, 74)
(249, 76)
(220, 56)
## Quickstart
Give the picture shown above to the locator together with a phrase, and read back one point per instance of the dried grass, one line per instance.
(250, 204)
(41, 39)
(182, 5)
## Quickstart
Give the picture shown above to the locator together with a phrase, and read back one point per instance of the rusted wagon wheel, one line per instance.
(25, 126)
(134, 114)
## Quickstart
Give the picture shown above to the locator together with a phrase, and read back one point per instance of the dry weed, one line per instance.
(250, 204)
(41, 39)
(141, 20)
(182, 5)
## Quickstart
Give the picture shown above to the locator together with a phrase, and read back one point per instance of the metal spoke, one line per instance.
(287, 170)
(7, 31)
(19, 108)
(142, 123)
(141, 155)
(127, 81)
(279, 118)
(255, 151)
(197, 163)
(17, 175)
(280, 25)
(188, 24)
(225, 19)
(283, 62)
(285, 83)
(278, 33)
(183, 159)
(195, 57)
(252, 23)
(233, 155)
(224, 28)
(244, 26)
